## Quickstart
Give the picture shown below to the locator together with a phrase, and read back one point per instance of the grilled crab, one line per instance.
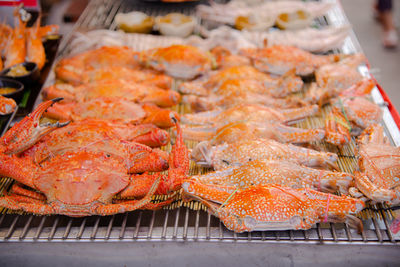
(280, 172)
(379, 164)
(94, 135)
(272, 207)
(73, 69)
(117, 88)
(277, 86)
(352, 112)
(83, 181)
(225, 59)
(243, 91)
(114, 109)
(247, 130)
(145, 77)
(178, 61)
(108, 62)
(332, 79)
(251, 120)
(279, 59)
(237, 154)
(249, 112)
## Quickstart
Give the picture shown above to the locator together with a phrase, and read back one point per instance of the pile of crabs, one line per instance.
(97, 152)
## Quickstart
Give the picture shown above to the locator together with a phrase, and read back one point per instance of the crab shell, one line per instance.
(178, 61)
(114, 109)
(72, 69)
(115, 88)
(279, 59)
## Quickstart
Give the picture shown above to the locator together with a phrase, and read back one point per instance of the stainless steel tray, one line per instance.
(185, 224)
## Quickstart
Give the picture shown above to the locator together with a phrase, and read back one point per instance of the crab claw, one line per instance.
(28, 131)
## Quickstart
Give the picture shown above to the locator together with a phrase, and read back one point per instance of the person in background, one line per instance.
(384, 10)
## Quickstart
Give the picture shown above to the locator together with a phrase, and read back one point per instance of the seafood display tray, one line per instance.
(190, 222)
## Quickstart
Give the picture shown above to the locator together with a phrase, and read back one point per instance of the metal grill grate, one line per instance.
(178, 224)
(185, 223)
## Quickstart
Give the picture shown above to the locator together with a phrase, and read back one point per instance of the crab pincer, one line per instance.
(29, 130)
(177, 172)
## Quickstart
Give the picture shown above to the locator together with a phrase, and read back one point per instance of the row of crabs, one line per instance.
(260, 183)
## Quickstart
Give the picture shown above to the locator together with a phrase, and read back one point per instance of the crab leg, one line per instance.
(161, 81)
(129, 205)
(294, 114)
(147, 134)
(178, 169)
(142, 158)
(163, 98)
(27, 204)
(336, 209)
(28, 131)
(287, 134)
(154, 206)
(196, 190)
(161, 117)
(19, 169)
(372, 191)
(18, 190)
(337, 128)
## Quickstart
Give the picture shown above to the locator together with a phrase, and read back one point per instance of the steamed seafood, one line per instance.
(273, 207)
(237, 154)
(80, 182)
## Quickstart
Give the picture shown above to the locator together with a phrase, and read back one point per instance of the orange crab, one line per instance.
(144, 77)
(80, 182)
(249, 112)
(73, 68)
(332, 79)
(246, 118)
(277, 86)
(273, 207)
(114, 109)
(116, 139)
(117, 88)
(232, 132)
(238, 91)
(237, 154)
(178, 61)
(280, 172)
(379, 164)
(352, 111)
(279, 59)
(225, 59)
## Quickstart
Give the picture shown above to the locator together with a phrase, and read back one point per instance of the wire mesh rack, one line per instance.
(192, 222)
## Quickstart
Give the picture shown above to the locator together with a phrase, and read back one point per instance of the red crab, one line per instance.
(83, 181)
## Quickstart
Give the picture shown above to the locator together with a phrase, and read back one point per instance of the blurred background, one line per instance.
(385, 63)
